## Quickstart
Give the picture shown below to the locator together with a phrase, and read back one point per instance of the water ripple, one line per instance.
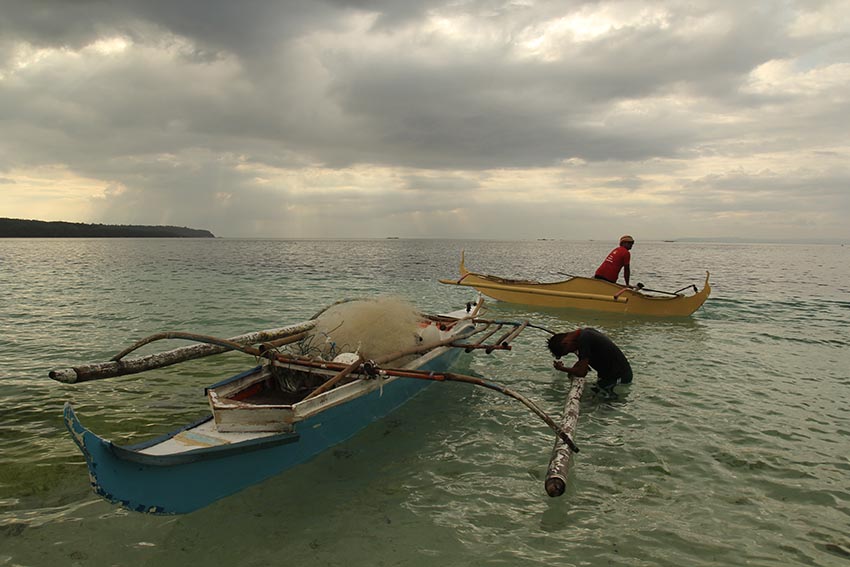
(729, 449)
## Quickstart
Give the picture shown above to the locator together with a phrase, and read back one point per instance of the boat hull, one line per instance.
(583, 293)
(179, 483)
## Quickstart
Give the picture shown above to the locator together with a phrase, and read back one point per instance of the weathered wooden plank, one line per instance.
(556, 476)
(97, 371)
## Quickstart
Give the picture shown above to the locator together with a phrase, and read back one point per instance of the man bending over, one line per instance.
(596, 351)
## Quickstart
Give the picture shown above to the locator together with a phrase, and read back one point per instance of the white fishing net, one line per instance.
(370, 327)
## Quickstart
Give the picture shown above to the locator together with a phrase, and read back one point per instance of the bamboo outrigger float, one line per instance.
(278, 414)
(585, 293)
(118, 366)
(556, 475)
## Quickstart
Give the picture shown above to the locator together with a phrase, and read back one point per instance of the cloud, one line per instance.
(454, 184)
(268, 118)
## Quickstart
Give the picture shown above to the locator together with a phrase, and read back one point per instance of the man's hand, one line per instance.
(578, 369)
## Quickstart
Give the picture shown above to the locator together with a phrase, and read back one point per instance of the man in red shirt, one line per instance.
(618, 258)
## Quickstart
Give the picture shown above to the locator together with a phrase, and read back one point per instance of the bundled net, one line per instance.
(370, 327)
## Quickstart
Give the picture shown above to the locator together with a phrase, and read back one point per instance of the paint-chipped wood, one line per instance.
(556, 476)
(124, 367)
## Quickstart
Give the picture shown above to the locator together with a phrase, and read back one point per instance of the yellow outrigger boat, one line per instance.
(585, 293)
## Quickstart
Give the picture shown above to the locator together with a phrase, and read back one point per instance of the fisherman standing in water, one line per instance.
(596, 351)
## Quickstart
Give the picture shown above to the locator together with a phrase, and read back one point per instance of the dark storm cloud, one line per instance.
(210, 99)
(482, 110)
(490, 110)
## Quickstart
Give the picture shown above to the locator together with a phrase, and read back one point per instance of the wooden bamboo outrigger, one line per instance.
(481, 339)
(556, 476)
(503, 342)
(118, 366)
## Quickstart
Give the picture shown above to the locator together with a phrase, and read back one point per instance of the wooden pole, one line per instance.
(520, 328)
(556, 476)
(454, 377)
(483, 338)
(123, 367)
(535, 291)
(505, 341)
(277, 343)
(333, 381)
(436, 377)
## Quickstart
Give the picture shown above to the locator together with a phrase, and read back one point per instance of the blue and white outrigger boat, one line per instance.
(281, 413)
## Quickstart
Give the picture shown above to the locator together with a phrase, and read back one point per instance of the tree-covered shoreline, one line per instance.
(21, 228)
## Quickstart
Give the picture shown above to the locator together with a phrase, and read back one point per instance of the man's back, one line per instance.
(605, 357)
(610, 268)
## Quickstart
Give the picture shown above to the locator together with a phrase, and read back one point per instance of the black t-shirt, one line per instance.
(605, 357)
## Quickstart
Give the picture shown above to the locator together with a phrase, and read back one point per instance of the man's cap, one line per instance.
(626, 238)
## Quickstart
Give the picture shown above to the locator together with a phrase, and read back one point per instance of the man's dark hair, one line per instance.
(555, 346)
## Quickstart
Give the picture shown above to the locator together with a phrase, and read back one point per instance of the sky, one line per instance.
(459, 119)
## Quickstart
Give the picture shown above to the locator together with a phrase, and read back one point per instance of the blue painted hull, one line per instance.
(182, 483)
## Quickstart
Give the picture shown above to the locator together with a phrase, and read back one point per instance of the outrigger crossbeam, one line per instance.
(502, 343)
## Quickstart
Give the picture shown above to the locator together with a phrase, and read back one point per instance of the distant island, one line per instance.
(20, 228)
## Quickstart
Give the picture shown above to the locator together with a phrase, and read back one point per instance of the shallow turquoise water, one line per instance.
(732, 447)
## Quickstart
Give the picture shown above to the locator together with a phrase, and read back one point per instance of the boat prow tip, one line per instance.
(77, 430)
(68, 412)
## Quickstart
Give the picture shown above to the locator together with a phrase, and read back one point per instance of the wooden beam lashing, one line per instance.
(556, 476)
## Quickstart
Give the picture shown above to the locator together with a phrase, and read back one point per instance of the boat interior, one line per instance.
(279, 385)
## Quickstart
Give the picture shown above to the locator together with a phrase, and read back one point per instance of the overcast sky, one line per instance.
(462, 119)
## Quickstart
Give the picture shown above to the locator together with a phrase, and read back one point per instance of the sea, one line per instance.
(731, 447)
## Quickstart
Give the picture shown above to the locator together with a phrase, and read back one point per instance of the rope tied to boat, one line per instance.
(371, 369)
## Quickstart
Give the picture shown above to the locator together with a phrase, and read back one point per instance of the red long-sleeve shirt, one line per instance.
(610, 268)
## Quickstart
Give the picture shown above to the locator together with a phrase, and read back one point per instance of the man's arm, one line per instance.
(626, 273)
(578, 369)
